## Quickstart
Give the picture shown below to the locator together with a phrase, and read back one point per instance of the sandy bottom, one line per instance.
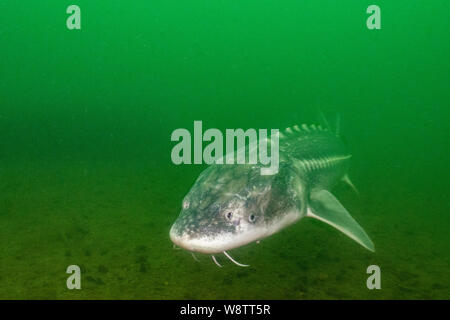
(113, 221)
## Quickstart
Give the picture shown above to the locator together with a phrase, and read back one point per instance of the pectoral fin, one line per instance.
(325, 207)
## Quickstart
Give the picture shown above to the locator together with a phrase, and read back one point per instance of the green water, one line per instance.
(86, 116)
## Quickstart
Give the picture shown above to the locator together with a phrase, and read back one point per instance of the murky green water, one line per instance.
(86, 117)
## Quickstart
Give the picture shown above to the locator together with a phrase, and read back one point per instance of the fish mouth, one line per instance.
(217, 243)
(203, 246)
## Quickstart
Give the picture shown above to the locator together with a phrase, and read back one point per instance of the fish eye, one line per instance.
(229, 215)
(252, 218)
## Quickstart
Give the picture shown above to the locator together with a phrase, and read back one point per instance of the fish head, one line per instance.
(228, 207)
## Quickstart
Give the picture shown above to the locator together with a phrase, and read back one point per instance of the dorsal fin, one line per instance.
(338, 125)
(324, 121)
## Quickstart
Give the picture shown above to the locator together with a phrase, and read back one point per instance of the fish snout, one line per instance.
(183, 239)
(190, 243)
(203, 239)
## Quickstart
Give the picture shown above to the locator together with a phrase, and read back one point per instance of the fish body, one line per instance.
(233, 205)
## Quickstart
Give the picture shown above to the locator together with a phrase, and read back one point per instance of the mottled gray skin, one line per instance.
(231, 205)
